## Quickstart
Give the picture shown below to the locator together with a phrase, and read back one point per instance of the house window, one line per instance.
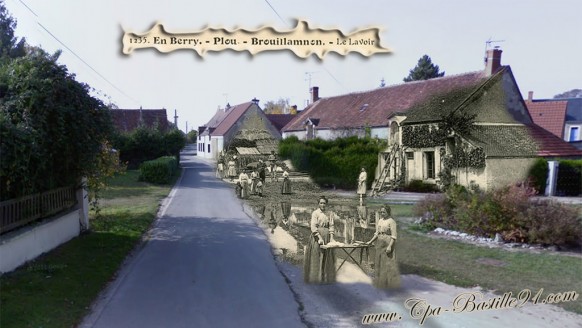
(574, 133)
(209, 148)
(429, 164)
(409, 155)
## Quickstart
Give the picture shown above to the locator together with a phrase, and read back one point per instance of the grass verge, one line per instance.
(452, 262)
(57, 289)
(496, 269)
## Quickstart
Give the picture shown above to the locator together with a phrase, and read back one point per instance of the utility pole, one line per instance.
(176, 118)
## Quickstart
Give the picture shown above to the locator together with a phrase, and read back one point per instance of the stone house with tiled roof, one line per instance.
(562, 117)
(480, 134)
(244, 121)
(127, 120)
(356, 113)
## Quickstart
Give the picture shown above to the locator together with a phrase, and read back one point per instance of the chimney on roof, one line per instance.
(492, 61)
(314, 94)
(256, 101)
(530, 95)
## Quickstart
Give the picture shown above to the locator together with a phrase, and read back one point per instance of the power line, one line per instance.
(328, 72)
(267, 1)
(84, 62)
(78, 57)
(27, 7)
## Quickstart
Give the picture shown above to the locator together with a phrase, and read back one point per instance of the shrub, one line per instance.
(436, 209)
(552, 223)
(508, 211)
(538, 174)
(160, 170)
(336, 162)
(144, 144)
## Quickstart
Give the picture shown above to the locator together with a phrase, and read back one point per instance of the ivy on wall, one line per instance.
(422, 136)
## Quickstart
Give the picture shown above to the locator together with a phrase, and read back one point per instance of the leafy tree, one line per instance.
(574, 93)
(52, 130)
(145, 143)
(10, 46)
(280, 106)
(424, 70)
(192, 136)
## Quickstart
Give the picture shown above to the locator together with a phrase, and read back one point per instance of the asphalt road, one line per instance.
(205, 264)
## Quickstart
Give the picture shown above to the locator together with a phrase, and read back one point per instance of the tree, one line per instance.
(10, 46)
(51, 129)
(424, 70)
(574, 93)
(191, 136)
(280, 106)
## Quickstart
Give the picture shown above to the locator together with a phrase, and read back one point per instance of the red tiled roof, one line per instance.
(280, 120)
(520, 140)
(550, 115)
(232, 116)
(126, 120)
(372, 108)
(549, 145)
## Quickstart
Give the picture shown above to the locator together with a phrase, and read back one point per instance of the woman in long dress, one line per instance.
(362, 180)
(254, 178)
(385, 264)
(319, 264)
(232, 168)
(244, 182)
(286, 186)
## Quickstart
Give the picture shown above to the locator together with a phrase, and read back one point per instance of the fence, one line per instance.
(15, 213)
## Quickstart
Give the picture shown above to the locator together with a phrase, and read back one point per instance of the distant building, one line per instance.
(561, 117)
(127, 120)
(244, 121)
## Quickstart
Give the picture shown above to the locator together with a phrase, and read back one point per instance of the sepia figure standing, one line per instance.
(220, 166)
(385, 264)
(319, 263)
(273, 166)
(232, 168)
(262, 168)
(244, 182)
(254, 178)
(286, 186)
(362, 179)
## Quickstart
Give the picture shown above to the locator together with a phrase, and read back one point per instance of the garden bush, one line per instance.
(553, 223)
(508, 211)
(336, 162)
(538, 174)
(144, 144)
(160, 170)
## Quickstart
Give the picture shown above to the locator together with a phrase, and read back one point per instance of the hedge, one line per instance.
(336, 162)
(160, 170)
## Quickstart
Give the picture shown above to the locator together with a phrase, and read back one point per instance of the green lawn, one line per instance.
(56, 290)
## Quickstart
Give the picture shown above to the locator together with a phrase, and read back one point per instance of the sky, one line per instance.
(541, 41)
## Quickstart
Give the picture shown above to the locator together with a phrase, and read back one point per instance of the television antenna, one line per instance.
(488, 45)
(489, 42)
